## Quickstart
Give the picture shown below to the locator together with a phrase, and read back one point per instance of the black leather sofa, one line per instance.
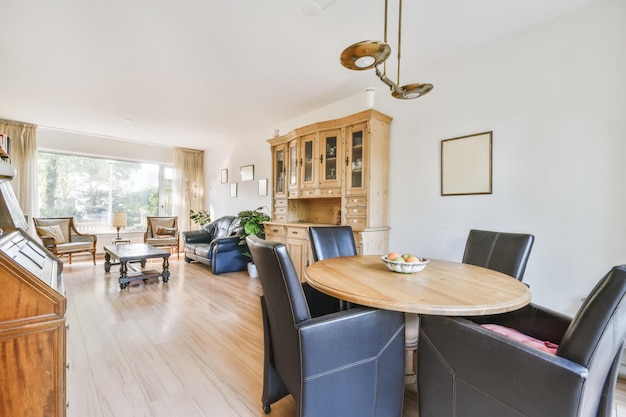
(217, 245)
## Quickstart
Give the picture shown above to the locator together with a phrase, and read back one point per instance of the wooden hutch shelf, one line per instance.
(333, 172)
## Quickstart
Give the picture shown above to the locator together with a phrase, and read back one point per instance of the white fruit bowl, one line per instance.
(405, 267)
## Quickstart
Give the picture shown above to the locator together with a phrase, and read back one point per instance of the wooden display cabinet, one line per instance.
(32, 329)
(337, 173)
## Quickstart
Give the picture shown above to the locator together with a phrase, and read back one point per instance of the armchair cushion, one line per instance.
(166, 231)
(54, 232)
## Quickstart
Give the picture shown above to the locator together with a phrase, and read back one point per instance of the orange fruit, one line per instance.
(392, 256)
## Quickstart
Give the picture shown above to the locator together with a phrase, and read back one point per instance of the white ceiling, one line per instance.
(189, 72)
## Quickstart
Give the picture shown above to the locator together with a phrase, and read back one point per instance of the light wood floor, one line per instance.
(189, 348)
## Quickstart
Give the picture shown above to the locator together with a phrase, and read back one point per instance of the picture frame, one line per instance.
(224, 176)
(466, 165)
(247, 173)
(263, 187)
(233, 190)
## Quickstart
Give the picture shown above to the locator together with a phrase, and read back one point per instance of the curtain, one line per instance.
(24, 160)
(188, 186)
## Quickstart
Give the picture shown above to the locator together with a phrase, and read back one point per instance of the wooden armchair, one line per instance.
(59, 236)
(162, 232)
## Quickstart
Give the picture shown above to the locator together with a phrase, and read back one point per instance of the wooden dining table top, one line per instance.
(442, 288)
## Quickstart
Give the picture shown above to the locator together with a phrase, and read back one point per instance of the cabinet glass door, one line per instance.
(330, 155)
(308, 166)
(355, 161)
(279, 171)
(293, 168)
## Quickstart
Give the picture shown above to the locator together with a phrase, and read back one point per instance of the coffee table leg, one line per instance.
(123, 275)
(166, 270)
(107, 262)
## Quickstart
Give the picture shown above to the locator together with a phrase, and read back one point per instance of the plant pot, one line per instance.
(252, 270)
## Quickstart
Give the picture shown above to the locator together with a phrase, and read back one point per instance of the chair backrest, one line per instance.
(154, 222)
(331, 242)
(285, 305)
(596, 333)
(64, 223)
(503, 252)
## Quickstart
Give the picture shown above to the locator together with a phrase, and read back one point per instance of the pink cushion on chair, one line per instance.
(522, 338)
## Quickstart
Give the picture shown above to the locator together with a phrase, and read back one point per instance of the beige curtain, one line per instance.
(188, 187)
(24, 159)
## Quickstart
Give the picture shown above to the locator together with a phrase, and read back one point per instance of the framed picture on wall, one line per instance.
(247, 173)
(233, 190)
(263, 187)
(224, 176)
(466, 165)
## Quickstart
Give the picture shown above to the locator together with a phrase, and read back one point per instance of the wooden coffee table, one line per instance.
(132, 253)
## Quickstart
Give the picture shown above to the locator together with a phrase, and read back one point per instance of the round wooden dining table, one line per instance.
(442, 288)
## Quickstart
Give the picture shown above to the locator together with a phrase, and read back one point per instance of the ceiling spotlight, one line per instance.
(366, 55)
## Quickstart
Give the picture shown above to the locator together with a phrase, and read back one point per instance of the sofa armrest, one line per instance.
(225, 244)
(196, 236)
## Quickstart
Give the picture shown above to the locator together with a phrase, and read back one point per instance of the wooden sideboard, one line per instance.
(32, 329)
(333, 172)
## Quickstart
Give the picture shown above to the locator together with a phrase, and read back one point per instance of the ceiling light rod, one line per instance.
(366, 55)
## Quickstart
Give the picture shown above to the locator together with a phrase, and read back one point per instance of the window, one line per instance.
(90, 189)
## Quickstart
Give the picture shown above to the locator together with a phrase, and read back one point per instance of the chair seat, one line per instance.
(162, 241)
(74, 247)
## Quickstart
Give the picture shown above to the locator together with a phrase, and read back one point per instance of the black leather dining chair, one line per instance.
(503, 252)
(341, 363)
(467, 370)
(331, 242)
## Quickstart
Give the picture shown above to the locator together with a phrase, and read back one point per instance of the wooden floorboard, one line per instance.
(190, 348)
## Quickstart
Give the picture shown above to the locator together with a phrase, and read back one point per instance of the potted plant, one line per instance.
(200, 217)
(251, 222)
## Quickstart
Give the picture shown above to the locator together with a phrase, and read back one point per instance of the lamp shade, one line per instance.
(119, 219)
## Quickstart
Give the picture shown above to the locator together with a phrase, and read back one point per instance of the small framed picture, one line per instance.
(224, 176)
(466, 165)
(247, 173)
(233, 190)
(263, 187)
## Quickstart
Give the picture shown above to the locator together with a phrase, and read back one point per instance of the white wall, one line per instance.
(555, 98)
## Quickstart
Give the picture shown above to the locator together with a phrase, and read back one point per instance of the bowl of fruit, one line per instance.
(405, 263)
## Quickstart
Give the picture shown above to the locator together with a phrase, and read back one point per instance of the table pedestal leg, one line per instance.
(411, 335)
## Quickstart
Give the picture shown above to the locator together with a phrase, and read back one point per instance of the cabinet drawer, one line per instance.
(280, 202)
(356, 201)
(357, 222)
(356, 211)
(281, 218)
(272, 230)
(309, 192)
(280, 211)
(325, 192)
(297, 232)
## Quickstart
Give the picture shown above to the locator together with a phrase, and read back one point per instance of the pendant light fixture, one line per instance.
(370, 54)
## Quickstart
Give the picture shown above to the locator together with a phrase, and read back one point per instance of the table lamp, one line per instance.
(119, 220)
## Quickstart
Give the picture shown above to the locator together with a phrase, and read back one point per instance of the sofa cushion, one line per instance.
(54, 231)
(546, 346)
(202, 249)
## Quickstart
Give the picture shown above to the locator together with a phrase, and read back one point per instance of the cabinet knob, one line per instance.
(321, 159)
(67, 366)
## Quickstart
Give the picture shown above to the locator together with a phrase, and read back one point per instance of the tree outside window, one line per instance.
(91, 189)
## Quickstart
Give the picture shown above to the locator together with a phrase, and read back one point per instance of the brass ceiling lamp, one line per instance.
(366, 55)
